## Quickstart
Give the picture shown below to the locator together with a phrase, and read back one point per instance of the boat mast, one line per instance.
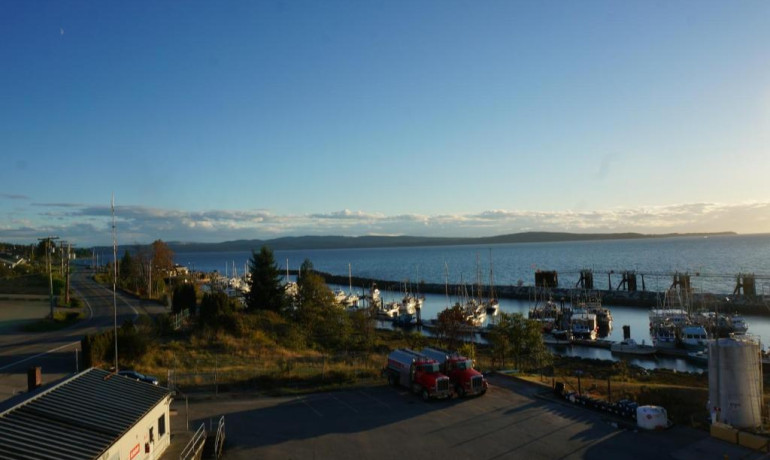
(446, 283)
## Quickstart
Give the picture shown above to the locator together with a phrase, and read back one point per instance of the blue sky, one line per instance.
(216, 121)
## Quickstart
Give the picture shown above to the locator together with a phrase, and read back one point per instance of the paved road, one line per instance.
(513, 420)
(55, 351)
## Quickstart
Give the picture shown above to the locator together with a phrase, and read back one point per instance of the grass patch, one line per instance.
(60, 320)
(28, 284)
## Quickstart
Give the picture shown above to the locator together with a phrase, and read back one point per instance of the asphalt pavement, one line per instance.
(513, 419)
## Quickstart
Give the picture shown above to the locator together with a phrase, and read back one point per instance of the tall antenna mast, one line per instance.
(114, 282)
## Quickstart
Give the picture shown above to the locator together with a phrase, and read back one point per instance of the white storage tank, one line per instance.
(651, 417)
(735, 381)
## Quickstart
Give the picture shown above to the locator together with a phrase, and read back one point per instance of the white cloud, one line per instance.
(87, 225)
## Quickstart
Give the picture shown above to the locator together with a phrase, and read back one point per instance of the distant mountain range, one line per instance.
(349, 242)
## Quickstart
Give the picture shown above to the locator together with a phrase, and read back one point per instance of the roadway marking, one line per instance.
(377, 400)
(136, 313)
(345, 404)
(304, 401)
(66, 345)
(90, 310)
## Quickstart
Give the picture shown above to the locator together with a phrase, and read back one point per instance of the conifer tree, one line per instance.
(266, 291)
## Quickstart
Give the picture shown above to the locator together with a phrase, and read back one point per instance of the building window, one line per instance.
(162, 425)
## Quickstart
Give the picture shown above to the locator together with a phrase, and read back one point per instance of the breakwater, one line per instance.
(740, 303)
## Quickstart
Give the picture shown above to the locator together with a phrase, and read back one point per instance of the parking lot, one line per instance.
(513, 420)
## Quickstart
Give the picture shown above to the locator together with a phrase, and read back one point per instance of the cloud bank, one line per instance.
(92, 225)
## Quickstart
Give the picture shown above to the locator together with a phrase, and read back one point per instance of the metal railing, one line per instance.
(195, 446)
(219, 440)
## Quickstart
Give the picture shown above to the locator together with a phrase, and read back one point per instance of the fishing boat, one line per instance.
(694, 337)
(593, 304)
(388, 310)
(664, 335)
(584, 325)
(666, 325)
(739, 324)
(631, 347)
(546, 314)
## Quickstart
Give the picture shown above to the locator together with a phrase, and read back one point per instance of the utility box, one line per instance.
(724, 432)
(753, 441)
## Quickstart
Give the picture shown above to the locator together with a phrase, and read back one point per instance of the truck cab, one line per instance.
(466, 380)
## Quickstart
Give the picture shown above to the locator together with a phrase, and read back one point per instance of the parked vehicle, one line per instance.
(138, 376)
(417, 372)
(465, 379)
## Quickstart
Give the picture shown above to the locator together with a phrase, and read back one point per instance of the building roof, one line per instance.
(80, 417)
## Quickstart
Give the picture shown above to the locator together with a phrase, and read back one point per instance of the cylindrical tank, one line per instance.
(735, 381)
(651, 418)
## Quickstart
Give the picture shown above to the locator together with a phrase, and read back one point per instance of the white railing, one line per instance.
(195, 446)
(219, 441)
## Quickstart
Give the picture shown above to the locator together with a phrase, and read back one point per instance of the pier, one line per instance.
(627, 288)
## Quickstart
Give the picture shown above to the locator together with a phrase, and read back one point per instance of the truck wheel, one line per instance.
(391, 380)
(425, 396)
(460, 391)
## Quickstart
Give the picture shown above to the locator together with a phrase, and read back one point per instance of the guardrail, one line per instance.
(195, 446)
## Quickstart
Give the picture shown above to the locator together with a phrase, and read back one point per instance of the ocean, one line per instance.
(712, 262)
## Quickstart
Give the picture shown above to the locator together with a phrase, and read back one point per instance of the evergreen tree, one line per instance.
(184, 297)
(213, 306)
(266, 291)
(128, 272)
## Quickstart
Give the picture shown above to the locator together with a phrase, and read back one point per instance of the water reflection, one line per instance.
(637, 318)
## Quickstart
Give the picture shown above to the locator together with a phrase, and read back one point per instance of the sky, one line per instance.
(216, 121)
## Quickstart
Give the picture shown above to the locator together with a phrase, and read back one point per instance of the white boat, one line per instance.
(493, 307)
(664, 335)
(739, 324)
(389, 310)
(694, 337)
(584, 325)
(631, 347)
(603, 314)
(475, 312)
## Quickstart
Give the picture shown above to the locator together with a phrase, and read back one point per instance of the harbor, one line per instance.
(725, 274)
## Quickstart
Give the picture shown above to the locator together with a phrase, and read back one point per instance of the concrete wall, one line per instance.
(134, 445)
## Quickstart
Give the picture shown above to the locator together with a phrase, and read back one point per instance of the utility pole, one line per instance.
(61, 258)
(114, 282)
(48, 240)
(67, 275)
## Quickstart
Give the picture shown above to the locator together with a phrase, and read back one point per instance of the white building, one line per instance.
(92, 415)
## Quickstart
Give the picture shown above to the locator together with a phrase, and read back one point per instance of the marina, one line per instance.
(713, 266)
